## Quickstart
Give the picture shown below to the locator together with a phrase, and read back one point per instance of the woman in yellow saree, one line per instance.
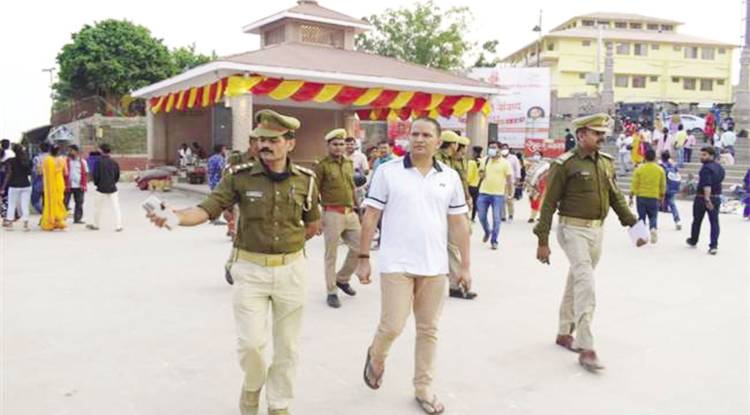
(636, 153)
(53, 171)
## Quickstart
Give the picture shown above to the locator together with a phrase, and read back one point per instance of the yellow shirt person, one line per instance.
(497, 172)
(649, 181)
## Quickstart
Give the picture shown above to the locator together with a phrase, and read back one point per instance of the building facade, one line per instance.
(652, 60)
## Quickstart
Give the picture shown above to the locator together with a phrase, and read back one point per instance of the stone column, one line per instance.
(477, 129)
(741, 110)
(156, 137)
(242, 121)
(350, 122)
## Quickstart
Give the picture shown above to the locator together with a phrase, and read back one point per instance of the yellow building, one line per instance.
(652, 61)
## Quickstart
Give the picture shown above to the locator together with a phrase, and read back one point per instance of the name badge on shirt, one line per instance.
(254, 194)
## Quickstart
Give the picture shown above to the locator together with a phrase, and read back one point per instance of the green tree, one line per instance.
(184, 58)
(423, 34)
(488, 55)
(109, 59)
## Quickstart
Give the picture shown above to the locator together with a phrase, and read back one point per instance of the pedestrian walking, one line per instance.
(497, 180)
(279, 209)
(728, 140)
(37, 183)
(18, 187)
(515, 166)
(570, 140)
(581, 186)
(624, 144)
(106, 175)
(76, 181)
(334, 176)
(679, 145)
(649, 185)
(674, 181)
(688, 147)
(422, 202)
(53, 173)
(472, 175)
(536, 185)
(708, 199)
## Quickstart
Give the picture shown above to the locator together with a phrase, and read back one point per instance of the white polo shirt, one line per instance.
(414, 231)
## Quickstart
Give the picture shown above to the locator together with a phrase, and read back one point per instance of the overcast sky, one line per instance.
(34, 31)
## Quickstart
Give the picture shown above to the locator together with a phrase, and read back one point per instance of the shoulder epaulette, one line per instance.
(305, 170)
(564, 157)
(606, 155)
(240, 167)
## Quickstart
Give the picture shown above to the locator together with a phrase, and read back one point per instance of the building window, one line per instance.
(653, 78)
(318, 34)
(707, 84)
(677, 48)
(582, 75)
(667, 27)
(720, 82)
(621, 81)
(623, 48)
(676, 79)
(274, 36)
(586, 43)
(655, 47)
(688, 84)
(636, 26)
(639, 81)
(550, 47)
(640, 49)
(588, 23)
(722, 51)
(707, 53)
(652, 26)
(621, 25)
(602, 23)
(691, 52)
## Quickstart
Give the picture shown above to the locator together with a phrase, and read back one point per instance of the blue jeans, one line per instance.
(680, 157)
(498, 205)
(699, 211)
(648, 207)
(669, 201)
(37, 193)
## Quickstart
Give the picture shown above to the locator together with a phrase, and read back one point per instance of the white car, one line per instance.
(691, 123)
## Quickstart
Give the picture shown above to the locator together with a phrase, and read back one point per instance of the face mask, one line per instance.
(492, 152)
(505, 152)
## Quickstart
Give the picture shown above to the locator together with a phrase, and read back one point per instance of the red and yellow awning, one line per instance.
(384, 103)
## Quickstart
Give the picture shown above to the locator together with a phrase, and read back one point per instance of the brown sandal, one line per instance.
(371, 383)
(432, 407)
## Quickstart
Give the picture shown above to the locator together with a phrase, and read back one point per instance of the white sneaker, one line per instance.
(654, 236)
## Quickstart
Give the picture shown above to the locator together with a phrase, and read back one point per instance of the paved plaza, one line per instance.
(140, 322)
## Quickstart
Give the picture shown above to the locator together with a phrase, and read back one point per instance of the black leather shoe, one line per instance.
(346, 288)
(333, 301)
(459, 293)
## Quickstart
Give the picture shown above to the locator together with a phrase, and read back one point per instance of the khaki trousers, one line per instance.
(583, 247)
(454, 265)
(283, 289)
(509, 204)
(400, 293)
(340, 226)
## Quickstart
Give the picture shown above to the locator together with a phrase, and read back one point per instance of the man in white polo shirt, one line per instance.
(422, 204)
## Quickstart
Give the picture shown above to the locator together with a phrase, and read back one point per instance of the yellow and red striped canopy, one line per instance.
(383, 103)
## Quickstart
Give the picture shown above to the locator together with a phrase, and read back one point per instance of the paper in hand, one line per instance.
(639, 233)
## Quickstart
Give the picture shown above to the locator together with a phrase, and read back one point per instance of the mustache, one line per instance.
(266, 150)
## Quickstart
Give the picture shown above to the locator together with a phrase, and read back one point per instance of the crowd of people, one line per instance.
(56, 176)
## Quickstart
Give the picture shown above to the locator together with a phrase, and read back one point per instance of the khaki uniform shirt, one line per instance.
(460, 166)
(582, 187)
(335, 180)
(273, 214)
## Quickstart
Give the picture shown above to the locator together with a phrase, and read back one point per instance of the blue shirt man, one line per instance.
(708, 199)
(216, 165)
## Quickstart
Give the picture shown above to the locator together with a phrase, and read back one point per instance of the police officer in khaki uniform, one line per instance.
(335, 179)
(278, 204)
(581, 186)
(450, 155)
(230, 215)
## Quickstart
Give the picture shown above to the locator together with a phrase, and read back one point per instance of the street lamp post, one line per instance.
(538, 28)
